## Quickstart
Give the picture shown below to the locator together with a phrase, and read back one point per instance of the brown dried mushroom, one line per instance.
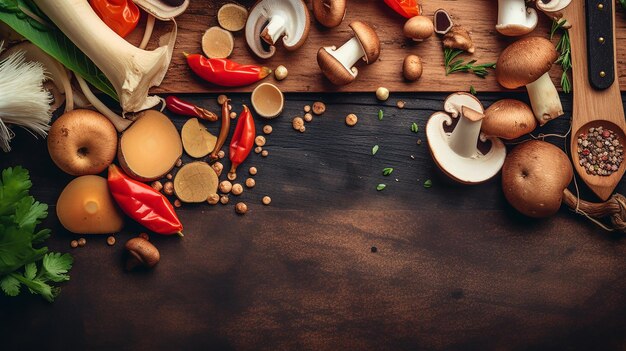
(458, 38)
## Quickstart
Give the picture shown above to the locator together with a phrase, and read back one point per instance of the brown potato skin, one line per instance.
(534, 176)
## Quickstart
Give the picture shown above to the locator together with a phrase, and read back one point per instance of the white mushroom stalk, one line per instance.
(130, 70)
(544, 99)
(514, 18)
(553, 9)
(119, 122)
(274, 30)
(456, 153)
(23, 100)
(348, 54)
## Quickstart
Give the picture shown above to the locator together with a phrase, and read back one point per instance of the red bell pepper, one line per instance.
(120, 15)
(406, 8)
(243, 139)
(143, 203)
(225, 72)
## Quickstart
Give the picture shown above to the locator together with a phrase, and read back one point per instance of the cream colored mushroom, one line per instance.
(514, 19)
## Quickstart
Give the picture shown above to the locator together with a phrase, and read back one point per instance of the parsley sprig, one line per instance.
(563, 46)
(454, 64)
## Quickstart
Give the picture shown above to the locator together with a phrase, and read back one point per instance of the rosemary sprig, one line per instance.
(563, 46)
(454, 65)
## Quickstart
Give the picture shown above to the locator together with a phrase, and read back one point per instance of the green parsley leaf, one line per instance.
(387, 171)
(56, 265)
(10, 285)
(381, 187)
(30, 271)
(374, 149)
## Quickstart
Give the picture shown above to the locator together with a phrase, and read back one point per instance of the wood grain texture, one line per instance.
(456, 268)
(478, 16)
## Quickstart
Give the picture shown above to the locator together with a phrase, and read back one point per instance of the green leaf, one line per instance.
(387, 171)
(472, 90)
(16, 250)
(380, 115)
(14, 186)
(51, 40)
(29, 213)
(428, 183)
(30, 271)
(56, 265)
(381, 187)
(374, 149)
(414, 127)
(10, 285)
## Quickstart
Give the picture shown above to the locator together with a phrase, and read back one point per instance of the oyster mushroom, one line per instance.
(269, 20)
(329, 13)
(514, 19)
(527, 62)
(456, 153)
(337, 64)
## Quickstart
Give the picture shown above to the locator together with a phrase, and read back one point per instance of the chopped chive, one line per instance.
(414, 127)
(387, 171)
(380, 115)
(472, 90)
(374, 149)
(428, 183)
(381, 187)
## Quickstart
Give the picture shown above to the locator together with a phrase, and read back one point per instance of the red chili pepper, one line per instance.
(120, 15)
(406, 8)
(224, 130)
(143, 204)
(225, 72)
(243, 139)
(185, 108)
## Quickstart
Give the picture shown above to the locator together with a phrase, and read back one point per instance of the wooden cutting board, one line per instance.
(478, 16)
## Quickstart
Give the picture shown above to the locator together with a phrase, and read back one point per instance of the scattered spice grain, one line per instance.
(231, 176)
(267, 129)
(225, 186)
(224, 199)
(233, 115)
(258, 149)
(400, 104)
(241, 208)
(308, 117)
(221, 154)
(253, 171)
(264, 153)
(221, 99)
(169, 176)
(168, 188)
(307, 108)
(351, 119)
(297, 123)
(259, 140)
(73, 244)
(218, 167)
(111, 240)
(266, 200)
(144, 236)
(179, 162)
(82, 242)
(177, 203)
(156, 185)
(213, 199)
(250, 182)
(319, 108)
(237, 189)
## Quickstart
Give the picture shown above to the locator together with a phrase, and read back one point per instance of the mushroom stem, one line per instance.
(515, 13)
(349, 53)
(465, 135)
(119, 122)
(544, 99)
(615, 208)
(274, 30)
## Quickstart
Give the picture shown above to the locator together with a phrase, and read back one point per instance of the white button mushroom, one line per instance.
(514, 19)
(269, 20)
(456, 153)
(553, 9)
(527, 62)
(338, 64)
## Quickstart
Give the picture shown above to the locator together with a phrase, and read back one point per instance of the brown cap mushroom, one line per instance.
(141, 253)
(514, 19)
(269, 20)
(329, 13)
(527, 62)
(412, 68)
(337, 64)
(508, 119)
(419, 28)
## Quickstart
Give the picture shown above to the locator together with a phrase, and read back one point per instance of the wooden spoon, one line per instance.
(597, 98)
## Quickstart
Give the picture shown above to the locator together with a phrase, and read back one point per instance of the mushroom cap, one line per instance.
(412, 68)
(333, 69)
(419, 28)
(296, 24)
(368, 39)
(534, 176)
(524, 61)
(161, 9)
(508, 119)
(330, 13)
(553, 6)
(143, 250)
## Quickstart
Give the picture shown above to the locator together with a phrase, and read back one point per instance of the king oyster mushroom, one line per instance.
(514, 19)
(329, 13)
(527, 62)
(456, 153)
(269, 20)
(337, 64)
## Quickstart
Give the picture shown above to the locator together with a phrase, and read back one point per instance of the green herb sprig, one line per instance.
(454, 65)
(563, 46)
(387, 171)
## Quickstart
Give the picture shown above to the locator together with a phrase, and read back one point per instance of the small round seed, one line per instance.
(82, 242)
(307, 108)
(168, 188)
(111, 240)
(237, 189)
(179, 162)
(233, 115)
(218, 167)
(224, 199)
(73, 244)
(302, 129)
(319, 108)
(308, 117)
(297, 123)
(259, 140)
(156, 185)
(250, 182)
(266, 200)
(177, 203)
(258, 149)
(169, 176)
(221, 99)
(264, 153)
(225, 186)
(267, 129)
(213, 199)
(351, 119)
(241, 208)
(400, 104)
(252, 170)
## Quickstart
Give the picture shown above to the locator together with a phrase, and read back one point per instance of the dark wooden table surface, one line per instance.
(455, 267)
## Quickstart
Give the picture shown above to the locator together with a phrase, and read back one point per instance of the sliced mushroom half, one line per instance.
(456, 153)
(269, 20)
(514, 18)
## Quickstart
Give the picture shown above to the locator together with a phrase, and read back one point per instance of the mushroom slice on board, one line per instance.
(329, 13)
(514, 19)
(337, 64)
(164, 10)
(527, 62)
(553, 9)
(269, 20)
(456, 153)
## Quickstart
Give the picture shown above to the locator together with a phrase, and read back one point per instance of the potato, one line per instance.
(86, 207)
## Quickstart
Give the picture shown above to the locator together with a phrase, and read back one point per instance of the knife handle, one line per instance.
(600, 42)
